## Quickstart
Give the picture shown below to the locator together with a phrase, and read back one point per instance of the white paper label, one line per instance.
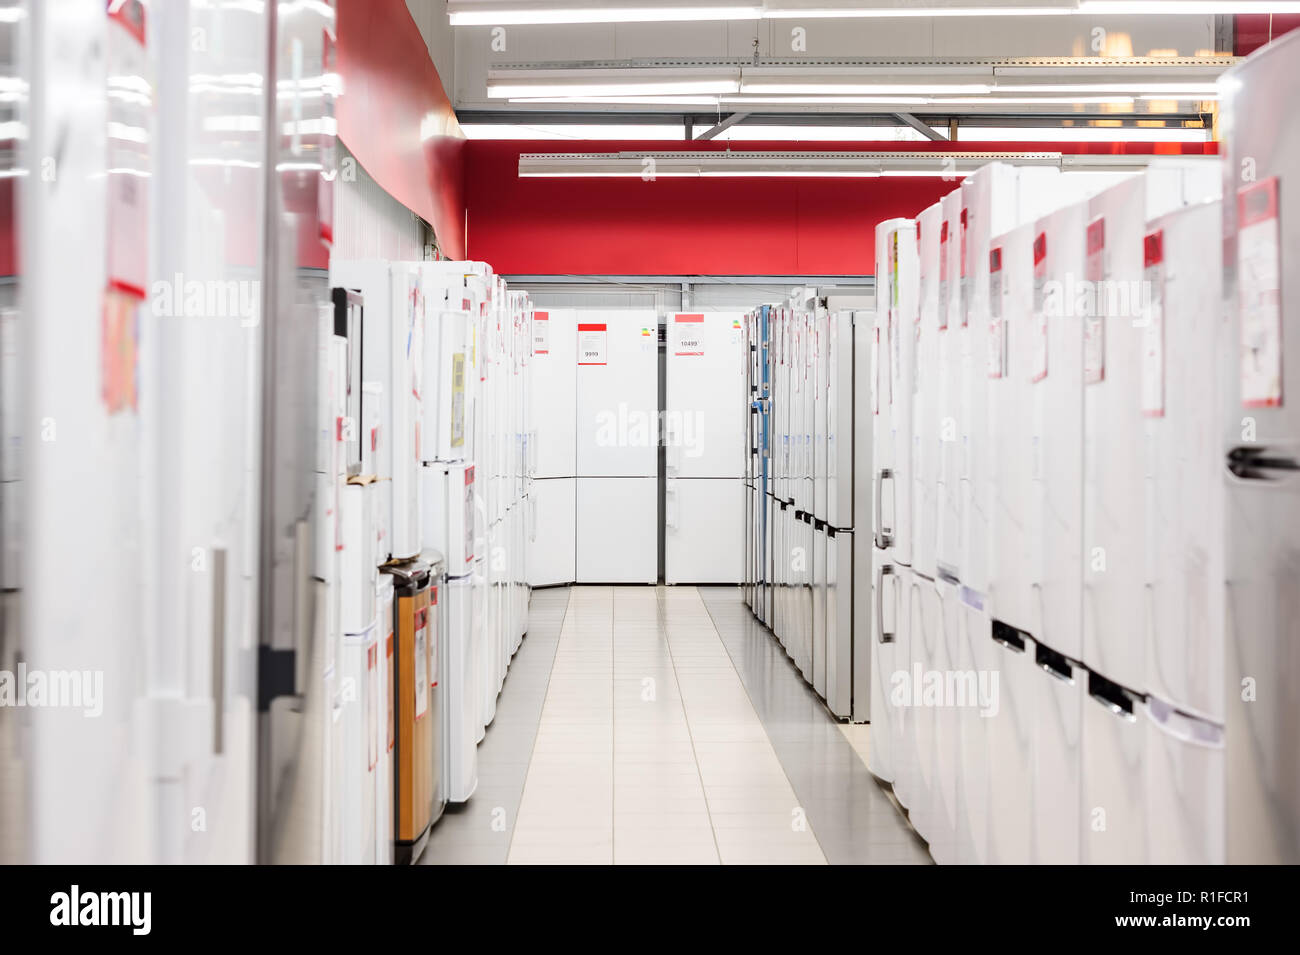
(688, 336)
(541, 333)
(1153, 328)
(997, 327)
(1259, 294)
(593, 340)
(421, 662)
(1039, 368)
(1094, 329)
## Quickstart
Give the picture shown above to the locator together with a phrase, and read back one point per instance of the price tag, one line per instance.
(945, 291)
(688, 336)
(1259, 294)
(1094, 329)
(541, 333)
(1040, 307)
(593, 341)
(997, 327)
(1153, 325)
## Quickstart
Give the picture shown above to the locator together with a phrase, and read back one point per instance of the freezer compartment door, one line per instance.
(1113, 811)
(933, 678)
(617, 524)
(703, 530)
(943, 649)
(844, 636)
(1059, 687)
(976, 658)
(1184, 787)
(552, 547)
(1011, 716)
(822, 545)
(886, 599)
(460, 659)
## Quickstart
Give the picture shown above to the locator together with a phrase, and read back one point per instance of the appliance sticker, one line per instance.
(1259, 294)
(1153, 325)
(1094, 329)
(127, 161)
(1040, 307)
(688, 336)
(458, 400)
(944, 290)
(593, 342)
(895, 347)
(433, 637)
(469, 516)
(372, 705)
(421, 661)
(965, 278)
(541, 333)
(997, 327)
(388, 652)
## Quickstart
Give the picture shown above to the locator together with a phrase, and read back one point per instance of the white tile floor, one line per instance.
(649, 749)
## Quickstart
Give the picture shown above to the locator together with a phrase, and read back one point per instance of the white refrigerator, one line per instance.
(1261, 443)
(705, 413)
(552, 400)
(617, 441)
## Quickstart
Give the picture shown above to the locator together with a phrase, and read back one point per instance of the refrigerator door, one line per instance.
(460, 665)
(900, 310)
(1184, 787)
(1013, 529)
(1114, 800)
(943, 648)
(552, 391)
(703, 523)
(1011, 718)
(978, 668)
(925, 634)
(841, 629)
(706, 408)
(1056, 373)
(925, 396)
(1184, 339)
(1262, 446)
(886, 599)
(617, 394)
(948, 541)
(1059, 687)
(552, 547)
(617, 530)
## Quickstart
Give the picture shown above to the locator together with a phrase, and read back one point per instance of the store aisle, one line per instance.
(671, 729)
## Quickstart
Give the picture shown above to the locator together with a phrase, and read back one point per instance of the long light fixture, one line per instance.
(718, 163)
(508, 12)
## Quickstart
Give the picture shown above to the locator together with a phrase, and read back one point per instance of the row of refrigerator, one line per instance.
(425, 522)
(607, 432)
(807, 481)
(1075, 480)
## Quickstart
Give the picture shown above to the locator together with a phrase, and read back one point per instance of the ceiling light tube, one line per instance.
(633, 88)
(862, 89)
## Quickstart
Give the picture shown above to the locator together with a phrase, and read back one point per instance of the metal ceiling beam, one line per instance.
(726, 124)
(614, 117)
(923, 128)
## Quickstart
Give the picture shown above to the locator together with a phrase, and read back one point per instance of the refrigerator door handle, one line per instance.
(884, 535)
(218, 648)
(884, 636)
(1252, 462)
(670, 507)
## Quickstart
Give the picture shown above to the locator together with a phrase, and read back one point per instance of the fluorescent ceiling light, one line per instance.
(711, 101)
(863, 89)
(504, 16)
(631, 88)
(504, 12)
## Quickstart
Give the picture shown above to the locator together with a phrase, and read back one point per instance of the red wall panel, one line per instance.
(1253, 30)
(681, 226)
(396, 118)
